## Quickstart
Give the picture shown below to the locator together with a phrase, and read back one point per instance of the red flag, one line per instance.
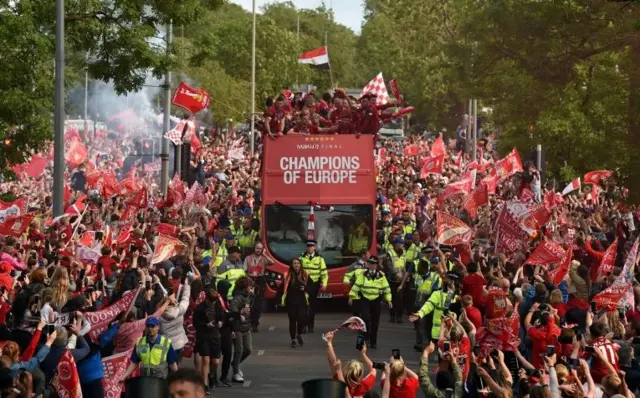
(167, 229)
(438, 147)
(101, 319)
(477, 198)
(509, 237)
(124, 235)
(87, 238)
(492, 183)
(459, 187)
(432, 166)
(557, 275)
(68, 381)
(609, 259)
(552, 199)
(411, 150)
(114, 368)
(16, 226)
(166, 247)
(452, 231)
(77, 207)
(34, 167)
(547, 252)
(393, 85)
(13, 209)
(76, 154)
(509, 165)
(192, 99)
(140, 200)
(526, 195)
(595, 177)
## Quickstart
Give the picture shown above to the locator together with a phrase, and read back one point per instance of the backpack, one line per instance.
(23, 301)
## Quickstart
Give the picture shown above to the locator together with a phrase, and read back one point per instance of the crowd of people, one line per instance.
(511, 287)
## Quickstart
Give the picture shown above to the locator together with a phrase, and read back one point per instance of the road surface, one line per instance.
(276, 370)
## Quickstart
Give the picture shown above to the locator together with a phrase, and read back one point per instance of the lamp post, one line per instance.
(253, 80)
(58, 124)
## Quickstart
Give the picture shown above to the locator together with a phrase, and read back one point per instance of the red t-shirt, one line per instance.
(462, 351)
(562, 309)
(473, 286)
(541, 338)
(365, 385)
(474, 315)
(408, 388)
(496, 303)
(610, 351)
(107, 262)
(277, 119)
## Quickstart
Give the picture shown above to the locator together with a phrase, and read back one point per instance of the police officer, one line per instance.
(154, 352)
(439, 304)
(247, 237)
(412, 247)
(223, 251)
(232, 268)
(396, 267)
(370, 288)
(360, 263)
(426, 281)
(315, 266)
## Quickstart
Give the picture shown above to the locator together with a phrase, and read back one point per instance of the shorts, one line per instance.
(209, 347)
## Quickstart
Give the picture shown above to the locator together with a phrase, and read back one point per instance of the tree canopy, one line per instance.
(564, 74)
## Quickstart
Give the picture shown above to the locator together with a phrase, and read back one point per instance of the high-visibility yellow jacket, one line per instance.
(315, 267)
(370, 287)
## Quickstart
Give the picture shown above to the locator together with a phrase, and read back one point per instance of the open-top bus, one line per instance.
(334, 174)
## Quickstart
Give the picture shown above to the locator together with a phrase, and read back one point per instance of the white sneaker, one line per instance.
(237, 378)
(240, 373)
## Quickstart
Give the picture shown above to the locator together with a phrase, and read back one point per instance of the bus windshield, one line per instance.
(340, 234)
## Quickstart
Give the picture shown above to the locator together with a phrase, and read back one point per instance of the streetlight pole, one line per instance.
(58, 124)
(253, 80)
(475, 130)
(86, 100)
(164, 155)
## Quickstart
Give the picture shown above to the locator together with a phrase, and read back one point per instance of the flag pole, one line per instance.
(326, 45)
(298, 39)
(253, 80)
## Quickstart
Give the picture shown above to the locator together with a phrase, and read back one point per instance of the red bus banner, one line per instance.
(327, 169)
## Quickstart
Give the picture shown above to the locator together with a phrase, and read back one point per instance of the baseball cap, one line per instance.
(152, 321)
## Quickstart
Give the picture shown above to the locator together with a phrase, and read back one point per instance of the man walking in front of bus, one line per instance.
(314, 265)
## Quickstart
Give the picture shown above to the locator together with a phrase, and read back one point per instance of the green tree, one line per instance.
(116, 43)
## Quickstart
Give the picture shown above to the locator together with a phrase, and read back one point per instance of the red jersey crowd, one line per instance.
(513, 287)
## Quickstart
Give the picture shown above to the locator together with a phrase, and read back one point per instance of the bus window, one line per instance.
(340, 234)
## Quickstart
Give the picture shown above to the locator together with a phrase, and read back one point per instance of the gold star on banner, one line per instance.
(306, 138)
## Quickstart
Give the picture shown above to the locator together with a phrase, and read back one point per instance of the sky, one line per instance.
(347, 12)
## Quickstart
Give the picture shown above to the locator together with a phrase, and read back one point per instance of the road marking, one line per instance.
(261, 352)
(246, 383)
(272, 328)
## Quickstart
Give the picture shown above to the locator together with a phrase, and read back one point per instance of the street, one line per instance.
(276, 370)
